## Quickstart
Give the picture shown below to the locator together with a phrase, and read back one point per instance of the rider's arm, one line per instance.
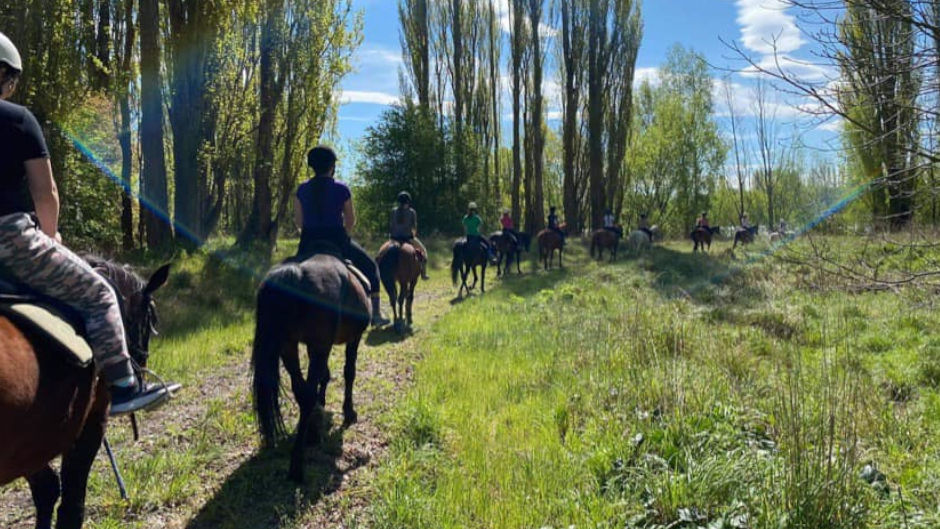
(298, 214)
(45, 194)
(349, 215)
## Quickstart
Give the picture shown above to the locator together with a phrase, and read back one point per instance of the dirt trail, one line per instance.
(384, 372)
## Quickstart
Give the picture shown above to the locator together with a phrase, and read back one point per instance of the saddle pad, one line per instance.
(56, 328)
(362, 277)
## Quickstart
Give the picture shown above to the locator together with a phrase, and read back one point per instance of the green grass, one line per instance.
(669, 391)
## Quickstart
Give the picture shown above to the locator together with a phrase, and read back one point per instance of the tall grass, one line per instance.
(669, 391)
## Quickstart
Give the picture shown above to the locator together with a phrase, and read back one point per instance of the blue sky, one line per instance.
(698, 24)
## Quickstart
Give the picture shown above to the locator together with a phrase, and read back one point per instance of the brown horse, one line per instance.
(319, 302)
(744, 236)
(549, 241)
(399, 263)
(506, 247)
(49, 407)
(702, 238)
(604, 239)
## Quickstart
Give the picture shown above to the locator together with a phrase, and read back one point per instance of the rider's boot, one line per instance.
(377, 319)
(424, 269)
(129, 395)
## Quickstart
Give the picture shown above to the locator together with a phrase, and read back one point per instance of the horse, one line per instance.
(744, 236)
(549, 241)
(702, 237)
(605, 239)
(467, 257)
(49, 407)
(506, 247)
(638, 240)
(320, 302)
(399, 265)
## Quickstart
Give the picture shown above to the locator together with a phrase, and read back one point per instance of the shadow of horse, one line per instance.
(257, 495)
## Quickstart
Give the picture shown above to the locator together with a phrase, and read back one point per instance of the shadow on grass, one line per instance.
(386, 335)
(258, 493)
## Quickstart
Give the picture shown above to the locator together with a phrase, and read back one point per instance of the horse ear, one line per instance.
(158, 279)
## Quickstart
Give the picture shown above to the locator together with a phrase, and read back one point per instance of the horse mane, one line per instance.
(123, 276)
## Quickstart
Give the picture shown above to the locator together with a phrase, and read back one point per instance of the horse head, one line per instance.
(138, 308)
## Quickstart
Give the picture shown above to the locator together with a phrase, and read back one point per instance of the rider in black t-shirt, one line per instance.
(31, 250)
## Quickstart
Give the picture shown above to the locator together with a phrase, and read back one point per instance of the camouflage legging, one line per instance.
(38, 261)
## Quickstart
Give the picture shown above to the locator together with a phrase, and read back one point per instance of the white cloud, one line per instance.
(783, 63)
(647, 74)
(375, 98)
(767, 27)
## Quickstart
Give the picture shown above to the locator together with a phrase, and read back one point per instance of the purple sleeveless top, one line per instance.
(322, 199)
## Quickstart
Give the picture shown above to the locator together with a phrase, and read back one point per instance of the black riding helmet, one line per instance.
(404, 197)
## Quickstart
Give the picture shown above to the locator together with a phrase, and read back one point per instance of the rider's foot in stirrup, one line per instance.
(137, 397)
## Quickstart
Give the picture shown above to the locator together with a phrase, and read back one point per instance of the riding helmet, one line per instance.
(9, 54)
(472, 206)
(404, 197)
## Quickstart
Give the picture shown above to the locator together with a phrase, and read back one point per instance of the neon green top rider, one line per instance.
(472, 221)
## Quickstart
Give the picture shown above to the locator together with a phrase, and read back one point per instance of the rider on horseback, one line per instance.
(471, 225)
(403, 227)
(745, 222)
(554, 225)
(31, 249)
(509, 227)
(610, 223)
(323, 210)
(644, 226)
(702, 221)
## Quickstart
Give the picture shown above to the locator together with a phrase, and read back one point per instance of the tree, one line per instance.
(572, 44)
(153, 183)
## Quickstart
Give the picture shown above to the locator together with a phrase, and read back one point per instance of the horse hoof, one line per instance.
(350, 418)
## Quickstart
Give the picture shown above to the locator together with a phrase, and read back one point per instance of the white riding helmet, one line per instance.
(9, 54)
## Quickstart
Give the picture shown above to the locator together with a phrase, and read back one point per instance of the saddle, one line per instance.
(49, 318)
(325, 247)
(401, 241)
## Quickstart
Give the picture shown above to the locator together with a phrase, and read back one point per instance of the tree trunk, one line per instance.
(596, 76)
(259, 225)
(517, 51)
(153, 177)
(570, 128)
(538, 133)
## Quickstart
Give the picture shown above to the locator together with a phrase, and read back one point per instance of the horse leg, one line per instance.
(411, 299)
(45, 488)
(349, 374)
(483, 279)
(307, 424)
(76, 464)
(392, 298)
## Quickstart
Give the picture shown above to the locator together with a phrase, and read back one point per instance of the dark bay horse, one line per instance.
(744, 236)
(49, 407)
(319, 302)
(604, 239)
(702, 238)
(506, 247)
(399, 269)
(467, 257)
(550, 240)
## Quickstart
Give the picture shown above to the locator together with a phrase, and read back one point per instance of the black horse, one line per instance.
(507, 246)
(702, 237)
(468, 255)
(319, 302)
(744, 236)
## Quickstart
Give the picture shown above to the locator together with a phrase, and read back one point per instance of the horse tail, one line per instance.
(388, 265)
(455, 264)
(265, 361)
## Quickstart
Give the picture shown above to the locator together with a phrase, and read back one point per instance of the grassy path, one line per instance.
(197, 464)
(667, 391)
